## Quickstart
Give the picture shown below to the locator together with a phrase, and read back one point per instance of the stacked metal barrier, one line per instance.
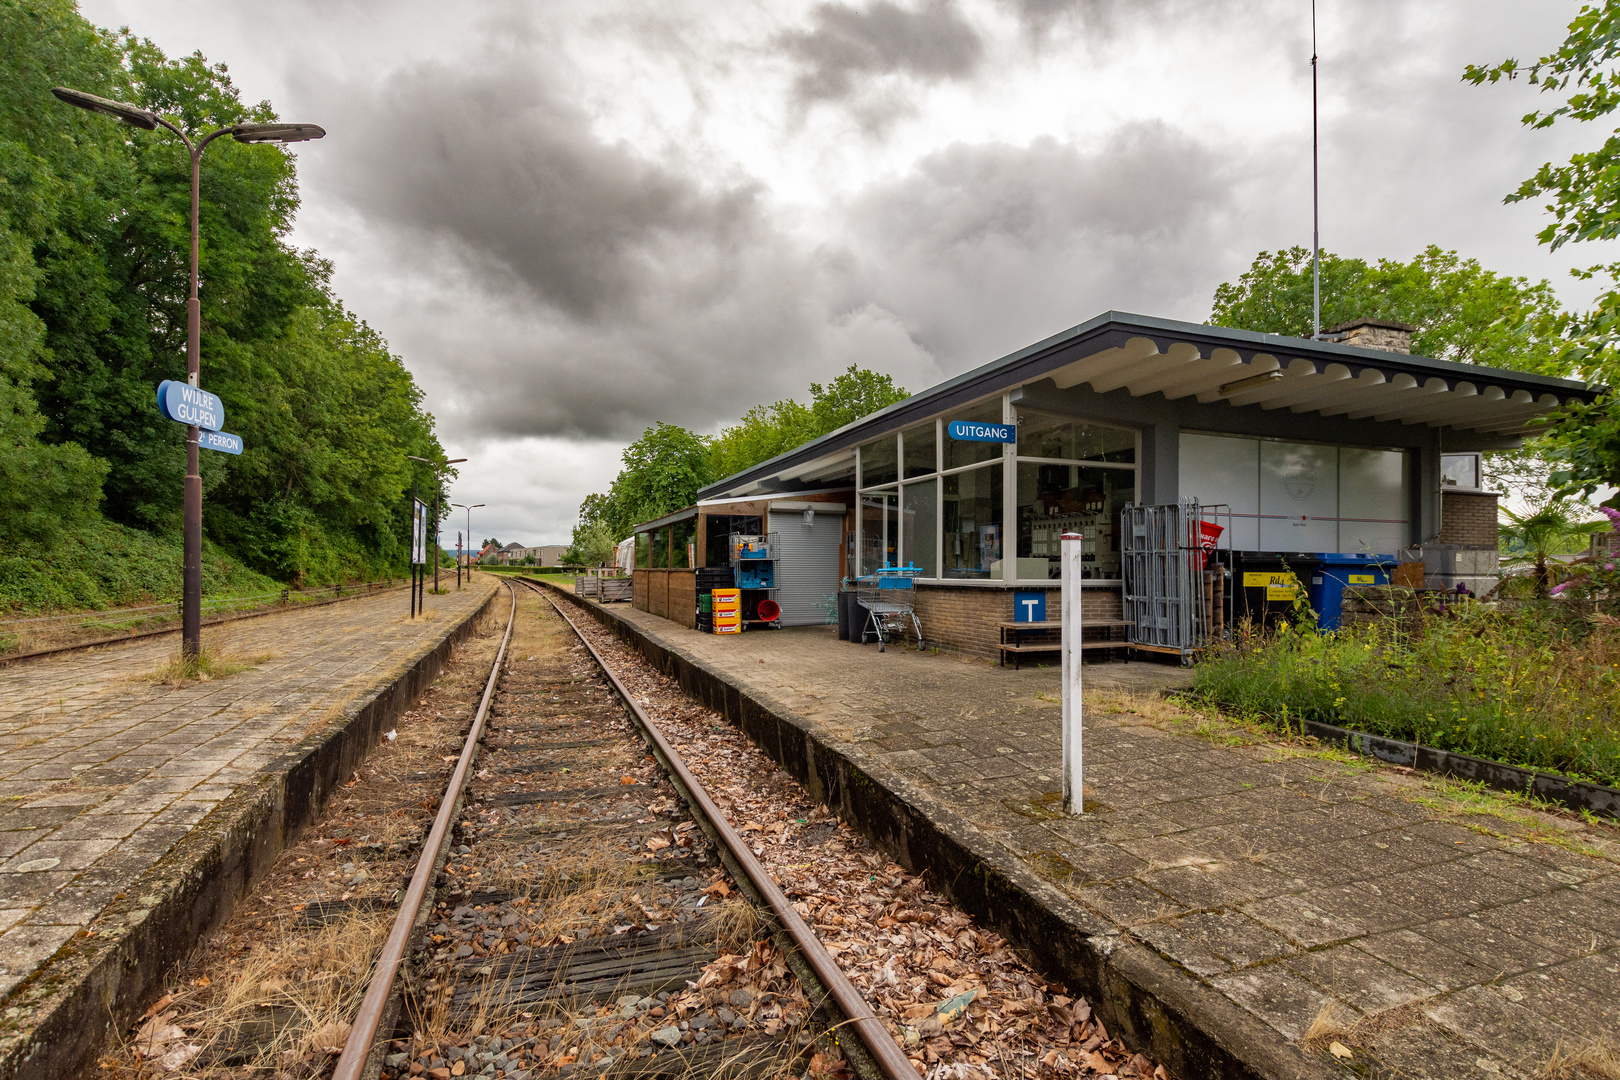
(1164, 577)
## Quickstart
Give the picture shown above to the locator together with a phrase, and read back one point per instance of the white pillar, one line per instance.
(1073, 788)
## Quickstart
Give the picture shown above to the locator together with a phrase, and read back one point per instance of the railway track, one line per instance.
(561, 898)
(592, 911)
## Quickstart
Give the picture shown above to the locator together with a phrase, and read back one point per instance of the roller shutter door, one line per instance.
(806, 564)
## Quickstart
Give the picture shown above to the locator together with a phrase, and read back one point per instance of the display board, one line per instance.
(419, 532)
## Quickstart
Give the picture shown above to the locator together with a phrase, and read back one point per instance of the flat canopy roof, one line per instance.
(1144, 355)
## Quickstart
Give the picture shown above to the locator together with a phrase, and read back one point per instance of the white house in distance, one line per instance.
(515, 554)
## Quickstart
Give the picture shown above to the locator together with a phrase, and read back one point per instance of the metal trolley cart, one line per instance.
(889, 601)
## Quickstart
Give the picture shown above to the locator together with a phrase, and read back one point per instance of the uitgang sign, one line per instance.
(969, 431)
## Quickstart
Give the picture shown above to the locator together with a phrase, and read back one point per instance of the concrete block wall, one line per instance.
(1466, 549)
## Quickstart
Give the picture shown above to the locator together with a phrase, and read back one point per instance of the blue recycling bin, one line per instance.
(1334, 572)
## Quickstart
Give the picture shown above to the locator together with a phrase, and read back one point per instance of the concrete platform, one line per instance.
(134, 812)
(1224, 890)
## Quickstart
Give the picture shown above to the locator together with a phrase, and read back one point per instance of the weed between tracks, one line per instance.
(583, 927)
(272, 992)
(956, 996)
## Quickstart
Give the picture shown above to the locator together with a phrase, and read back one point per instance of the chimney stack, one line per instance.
(1372, 334)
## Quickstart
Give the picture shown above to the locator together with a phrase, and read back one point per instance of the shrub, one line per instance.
(1534, 684)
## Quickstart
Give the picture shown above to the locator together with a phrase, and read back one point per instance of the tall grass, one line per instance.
(1536, 686)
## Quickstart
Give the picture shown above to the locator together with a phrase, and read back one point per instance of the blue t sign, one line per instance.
(1029, 607)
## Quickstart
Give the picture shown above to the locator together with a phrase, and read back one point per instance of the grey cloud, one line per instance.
(571, 285)
(506, 169)
(846, 47)
(988, 247)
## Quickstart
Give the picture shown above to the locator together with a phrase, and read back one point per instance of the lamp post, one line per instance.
(469, 510)
(438, 486)
(135, 116)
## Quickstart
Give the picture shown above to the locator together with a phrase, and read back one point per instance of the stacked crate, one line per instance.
(710, 578)
(726, 607)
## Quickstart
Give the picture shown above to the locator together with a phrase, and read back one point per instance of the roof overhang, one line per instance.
(1140, 355)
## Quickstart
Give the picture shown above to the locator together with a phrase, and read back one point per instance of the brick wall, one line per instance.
(1468, 518)
(964, 618)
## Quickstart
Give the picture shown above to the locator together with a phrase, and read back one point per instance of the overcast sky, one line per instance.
(575, 219)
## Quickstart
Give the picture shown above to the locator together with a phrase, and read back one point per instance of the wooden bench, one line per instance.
(1017, 646)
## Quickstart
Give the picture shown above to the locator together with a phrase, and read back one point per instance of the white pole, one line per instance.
(1073, 788)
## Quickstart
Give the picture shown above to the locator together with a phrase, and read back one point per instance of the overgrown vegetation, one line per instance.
(104, 565)
(1536, 686)
(94, 241)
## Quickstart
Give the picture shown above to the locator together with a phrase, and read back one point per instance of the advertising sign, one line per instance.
(187, 404)
(419, 531)
(223, 441)
(1278, 585)
(971, 431)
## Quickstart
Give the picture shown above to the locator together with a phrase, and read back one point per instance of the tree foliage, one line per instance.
(1462, 311)
(664, 469)
(1584, 202)
(94, 243)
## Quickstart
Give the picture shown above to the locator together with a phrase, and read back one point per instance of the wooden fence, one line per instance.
(669, 594)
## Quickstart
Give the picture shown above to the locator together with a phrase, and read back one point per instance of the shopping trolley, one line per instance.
(888, 598)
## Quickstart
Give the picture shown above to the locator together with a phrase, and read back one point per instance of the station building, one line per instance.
(1346, 445)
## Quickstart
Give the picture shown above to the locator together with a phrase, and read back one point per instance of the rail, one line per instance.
(890, 1059)
(364, 1031)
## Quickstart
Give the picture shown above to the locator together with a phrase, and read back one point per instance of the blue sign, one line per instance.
(223, 441)
(968, 431)
(1029, 607)
(187, 404)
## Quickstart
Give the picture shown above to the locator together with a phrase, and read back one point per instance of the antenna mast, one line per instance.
(1316, 201)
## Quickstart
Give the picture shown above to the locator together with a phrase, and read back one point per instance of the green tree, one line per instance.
(1462, 311)
(94, 241)
(849, 397)
(763, 432)
(1531, 539)
(664, 469)
(1584, 201)
(662, 472)
(768, 430)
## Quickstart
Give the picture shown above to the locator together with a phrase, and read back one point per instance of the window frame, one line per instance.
(1010, 461)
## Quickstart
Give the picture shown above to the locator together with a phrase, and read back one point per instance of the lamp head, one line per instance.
(133, 115)
(276, 133)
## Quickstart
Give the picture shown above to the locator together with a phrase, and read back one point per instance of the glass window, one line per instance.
(643, 550)
(972, 523)
(1054, 499)
(971, 453)
(660, 548)
(879, 463)
(1460, 471)
(683, 532)
(920, 446)
(919, 502)
(1048, 436)
(880, 533)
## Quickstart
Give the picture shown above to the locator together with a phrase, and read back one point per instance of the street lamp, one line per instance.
(469, 510)
(438, 484)
(135, 116)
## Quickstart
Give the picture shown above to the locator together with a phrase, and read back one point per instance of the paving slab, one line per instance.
(106, 770)
(1243, 885)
